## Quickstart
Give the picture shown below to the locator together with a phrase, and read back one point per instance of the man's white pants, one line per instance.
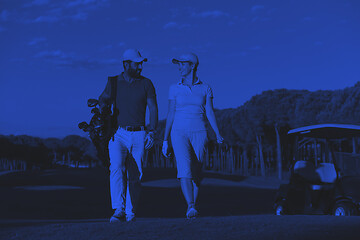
(126, 152)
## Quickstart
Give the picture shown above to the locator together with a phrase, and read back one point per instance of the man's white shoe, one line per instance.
(118, 216)
(130, 218)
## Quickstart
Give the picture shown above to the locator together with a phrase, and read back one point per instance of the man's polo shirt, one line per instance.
(190, 105)
(131, 99)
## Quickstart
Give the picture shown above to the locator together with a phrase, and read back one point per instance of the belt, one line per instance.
(134, 128)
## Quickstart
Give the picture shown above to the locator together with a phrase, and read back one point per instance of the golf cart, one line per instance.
(325, 172)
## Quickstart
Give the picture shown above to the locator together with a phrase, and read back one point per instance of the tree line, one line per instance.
(255, 133)
(26, 152)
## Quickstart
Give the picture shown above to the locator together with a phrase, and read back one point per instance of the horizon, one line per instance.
(57, 54)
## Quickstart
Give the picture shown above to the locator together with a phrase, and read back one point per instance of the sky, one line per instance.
(54, 55)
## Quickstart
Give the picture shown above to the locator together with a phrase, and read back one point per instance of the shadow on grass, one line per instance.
(93, 201)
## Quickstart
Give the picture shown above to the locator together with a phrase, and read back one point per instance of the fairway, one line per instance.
(84, 194)
(75, 204)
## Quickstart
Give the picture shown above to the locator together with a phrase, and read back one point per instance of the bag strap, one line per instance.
(113, 82)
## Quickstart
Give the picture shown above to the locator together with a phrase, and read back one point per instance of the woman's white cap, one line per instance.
(188, 57)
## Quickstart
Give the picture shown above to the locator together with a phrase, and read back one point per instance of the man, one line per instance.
(133, 94)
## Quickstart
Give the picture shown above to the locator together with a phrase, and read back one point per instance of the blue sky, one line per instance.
(57, 54)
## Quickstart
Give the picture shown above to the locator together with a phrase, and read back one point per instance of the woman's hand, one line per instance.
(165, 149)
(219, 139)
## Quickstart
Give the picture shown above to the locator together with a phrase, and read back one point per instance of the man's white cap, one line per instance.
(188, 57)
(133, 55)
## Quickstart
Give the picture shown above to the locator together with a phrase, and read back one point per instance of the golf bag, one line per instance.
(103, 124)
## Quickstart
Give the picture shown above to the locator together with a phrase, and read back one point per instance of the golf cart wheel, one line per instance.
(344, 209)
(280, 208)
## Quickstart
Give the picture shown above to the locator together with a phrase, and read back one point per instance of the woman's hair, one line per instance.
(195, 70)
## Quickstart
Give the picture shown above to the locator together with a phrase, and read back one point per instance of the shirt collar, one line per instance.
(181, 82)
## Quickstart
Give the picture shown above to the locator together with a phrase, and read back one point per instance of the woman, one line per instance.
(189, 101)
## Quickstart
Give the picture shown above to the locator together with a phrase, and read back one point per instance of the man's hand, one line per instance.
(165, 149)
(149, 140)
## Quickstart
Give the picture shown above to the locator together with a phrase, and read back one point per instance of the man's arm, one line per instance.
(152, 104)
(153, 110)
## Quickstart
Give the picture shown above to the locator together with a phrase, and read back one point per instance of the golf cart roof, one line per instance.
(329, 130)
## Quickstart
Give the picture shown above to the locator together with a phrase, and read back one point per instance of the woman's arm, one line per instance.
(209, 108)
(169, 123)
(169, 118)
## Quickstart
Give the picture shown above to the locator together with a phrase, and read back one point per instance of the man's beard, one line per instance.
(134, 73)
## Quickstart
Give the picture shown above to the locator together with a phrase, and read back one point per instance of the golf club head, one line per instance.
(92, 102)
(96, 123)
(83, 125)
(95, 111)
